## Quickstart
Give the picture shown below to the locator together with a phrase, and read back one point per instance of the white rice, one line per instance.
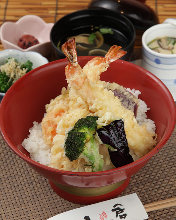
(141, 116)
(35, 145)
(40, 152)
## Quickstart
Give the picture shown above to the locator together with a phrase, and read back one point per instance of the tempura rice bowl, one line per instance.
(31, 93)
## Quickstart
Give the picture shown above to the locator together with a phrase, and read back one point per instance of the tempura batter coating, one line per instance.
(88, 95)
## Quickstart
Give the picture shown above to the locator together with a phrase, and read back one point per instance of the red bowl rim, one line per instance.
(106, 172)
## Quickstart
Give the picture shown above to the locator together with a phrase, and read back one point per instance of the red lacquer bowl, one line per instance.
(25, 102)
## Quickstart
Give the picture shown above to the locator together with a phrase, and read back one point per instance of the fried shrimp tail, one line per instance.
(114, 53)
(97, 65)
(73, 72)
(69, 49)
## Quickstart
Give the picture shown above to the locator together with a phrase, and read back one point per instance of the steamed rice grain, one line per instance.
(35, 144)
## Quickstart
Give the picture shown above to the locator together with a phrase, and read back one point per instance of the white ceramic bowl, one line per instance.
(36, 58)
(10, 33)
(162, 65)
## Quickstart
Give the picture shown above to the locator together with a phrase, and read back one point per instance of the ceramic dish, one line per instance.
(83, 21)
(29, 102)
(36, 58)
(162, 65)
(11, 32)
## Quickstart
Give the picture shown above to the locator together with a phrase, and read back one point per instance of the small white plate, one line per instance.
(36, 58)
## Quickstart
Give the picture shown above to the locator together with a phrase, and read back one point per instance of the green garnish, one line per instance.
(106, 31)
(154, 48)
(5, 82)
(91, 38)
(58, 45)
(151, 41)
(27, 66)
(173, 42)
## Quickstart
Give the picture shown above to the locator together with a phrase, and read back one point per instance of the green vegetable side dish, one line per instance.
(11, 71)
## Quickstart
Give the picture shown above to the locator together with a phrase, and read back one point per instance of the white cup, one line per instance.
(161, 65)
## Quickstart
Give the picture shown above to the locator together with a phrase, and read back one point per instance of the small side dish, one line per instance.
(29, 33)
(163, 45)
(11, 71)
(27, 41)
(14, 64)
(93, 125)
(159, 53)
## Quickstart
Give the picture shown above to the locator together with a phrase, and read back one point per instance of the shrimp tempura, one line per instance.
(88, 95)
(102, 102)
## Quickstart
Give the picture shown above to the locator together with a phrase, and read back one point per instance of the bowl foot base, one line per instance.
(89, 195)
